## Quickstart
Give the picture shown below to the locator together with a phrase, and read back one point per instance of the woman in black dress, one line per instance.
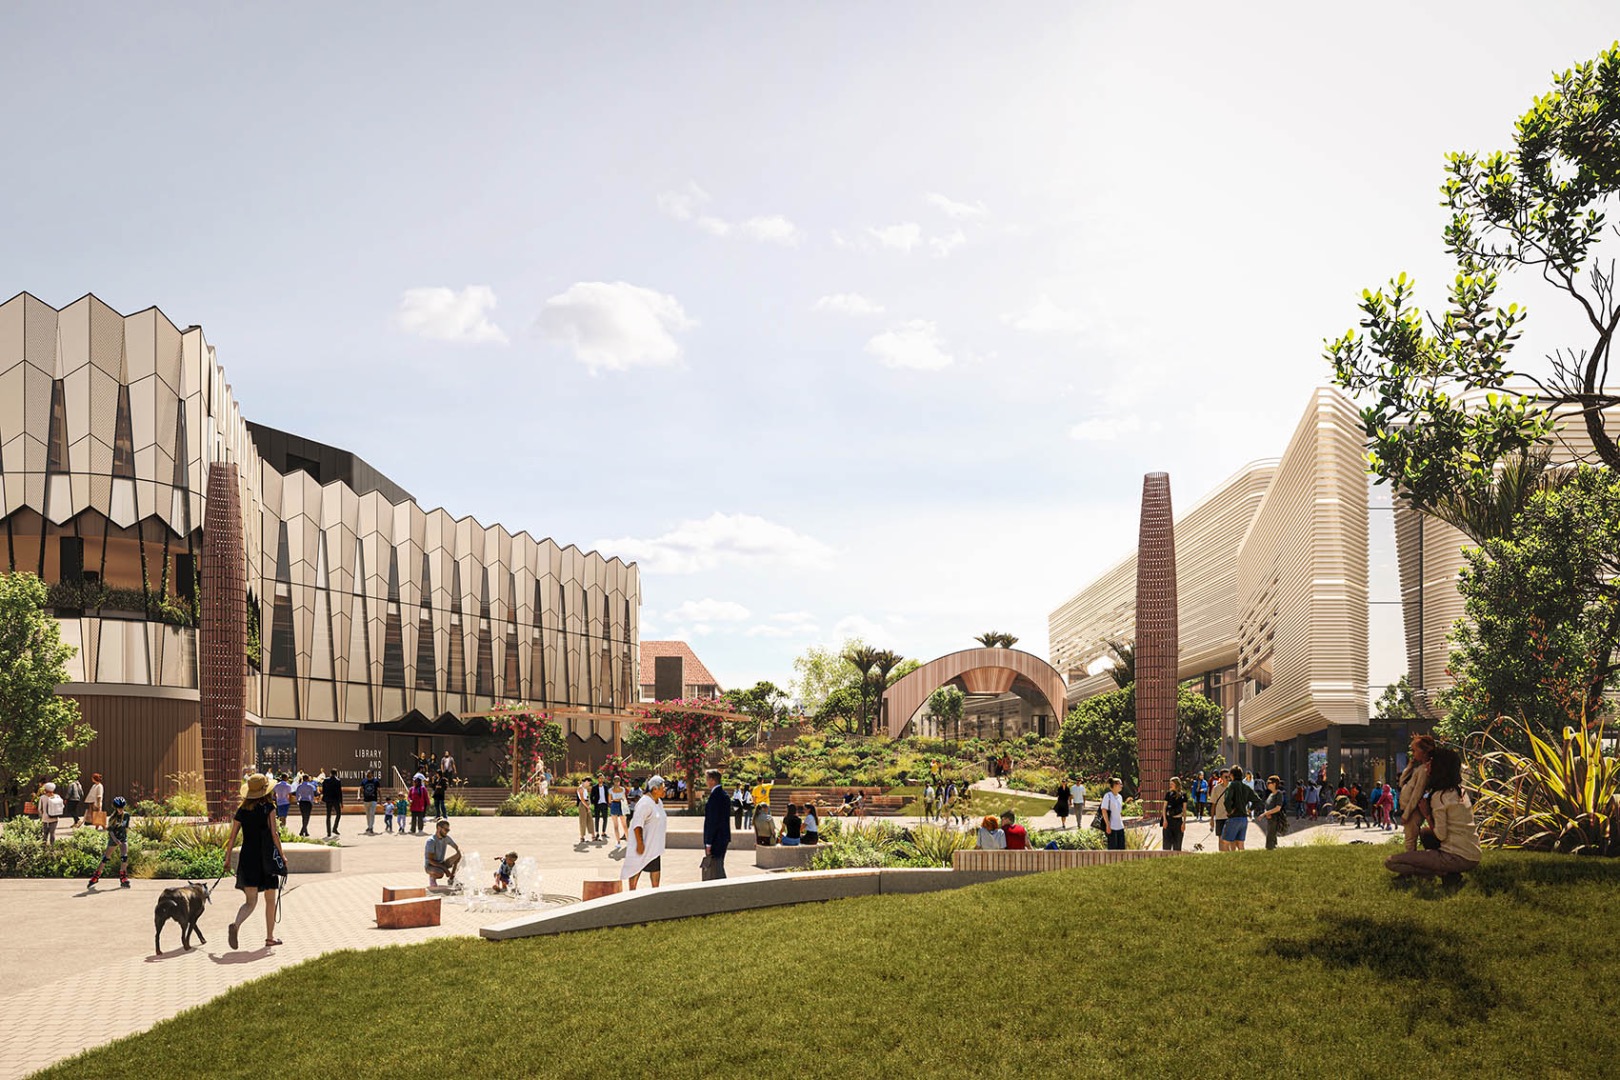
(1062, 807)
(1174, 818)
(258, 867)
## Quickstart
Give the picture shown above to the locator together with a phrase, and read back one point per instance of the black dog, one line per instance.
(183, 904)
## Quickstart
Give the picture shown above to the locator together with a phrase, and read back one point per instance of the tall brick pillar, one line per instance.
(222, 642)
(1157, 642)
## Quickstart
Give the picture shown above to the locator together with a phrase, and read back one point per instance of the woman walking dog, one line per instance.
(260, 866)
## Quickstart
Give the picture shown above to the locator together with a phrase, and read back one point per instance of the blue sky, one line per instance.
(844, 318)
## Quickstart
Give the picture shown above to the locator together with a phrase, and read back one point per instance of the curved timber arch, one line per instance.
(980, 671)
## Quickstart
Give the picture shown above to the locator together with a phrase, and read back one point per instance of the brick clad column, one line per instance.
(1157, 642)
(222, 644)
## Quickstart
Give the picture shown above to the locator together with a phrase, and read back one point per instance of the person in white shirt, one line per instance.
(1113, 812)
(647, 829)
(618, 798)
(1077, 802)
(50, 808)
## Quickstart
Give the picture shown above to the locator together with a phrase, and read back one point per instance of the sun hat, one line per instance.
(256, 786)
(655, 781)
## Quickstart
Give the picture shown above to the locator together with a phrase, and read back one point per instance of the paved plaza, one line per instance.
(96, 947)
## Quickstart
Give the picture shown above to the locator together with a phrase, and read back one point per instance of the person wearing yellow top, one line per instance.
(764, 826)
(1453, 825)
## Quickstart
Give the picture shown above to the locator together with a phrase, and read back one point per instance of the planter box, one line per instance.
(404, 914)
(778, 857)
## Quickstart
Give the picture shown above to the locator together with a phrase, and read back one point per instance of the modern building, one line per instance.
(1272, 577)
(376, 628)
(677, 667)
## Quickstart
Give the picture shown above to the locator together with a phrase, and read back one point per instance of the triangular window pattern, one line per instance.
(458, 645)
(511, 682)
(283, 650)
(56, 450)
(427, 675)
(393, 635)
(123, 463)
(484, 673)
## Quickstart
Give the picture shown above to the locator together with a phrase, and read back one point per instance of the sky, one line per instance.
(839, 319)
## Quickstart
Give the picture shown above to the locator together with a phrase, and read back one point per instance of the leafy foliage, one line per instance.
(1564, 795)
(531, 738)
(1098, 737)
(1441, 418)
(1395, 703)
(1542, 613)
(995, 639)
(37, 727)
(529, 804)
(765, 704)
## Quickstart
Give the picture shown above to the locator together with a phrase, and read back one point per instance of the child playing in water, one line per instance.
(503, 872)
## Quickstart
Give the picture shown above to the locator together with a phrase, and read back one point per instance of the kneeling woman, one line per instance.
(1453, 825)
(258, 869)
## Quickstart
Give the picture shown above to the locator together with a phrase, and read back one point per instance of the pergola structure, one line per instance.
(976, 671)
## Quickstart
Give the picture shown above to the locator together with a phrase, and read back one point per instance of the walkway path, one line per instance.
(95, 948)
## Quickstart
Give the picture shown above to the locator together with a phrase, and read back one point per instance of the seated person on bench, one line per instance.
(436, 857)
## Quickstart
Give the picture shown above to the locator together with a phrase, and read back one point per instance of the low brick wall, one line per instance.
(1034, 861)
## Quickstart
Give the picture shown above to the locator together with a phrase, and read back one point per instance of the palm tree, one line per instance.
(1124, 669)
(1487, 512)
(863, 658)
(885, 661)
(995, 639)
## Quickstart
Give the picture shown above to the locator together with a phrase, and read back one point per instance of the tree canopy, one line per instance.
(37, 726)
(1098, 737)
(1542, 609)
(1446, 404)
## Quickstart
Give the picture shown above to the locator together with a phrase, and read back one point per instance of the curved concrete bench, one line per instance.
(1035, 860)
(305, 858)
(693, 838)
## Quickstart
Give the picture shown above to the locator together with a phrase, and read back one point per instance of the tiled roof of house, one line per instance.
(693, 671)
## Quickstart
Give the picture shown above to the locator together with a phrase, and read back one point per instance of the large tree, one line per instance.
(1542, 607)
(765, 705)
(1445, 404)
(37, 727)
(1098, 737)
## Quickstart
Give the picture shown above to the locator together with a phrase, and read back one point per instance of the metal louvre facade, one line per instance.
(1302, 583)
(365, 610)
(1207, 540)
(1272, 580)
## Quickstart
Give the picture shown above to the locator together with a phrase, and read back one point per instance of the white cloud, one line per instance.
(614, 326)
(720, 539)
(772, 229)
(848, 303)
(1045, 317)
(682, 205)
(915, 344)
(709, 610)
(447, 315)
(942, 246)
(902, 237)
(953, 209)
(859, 626)
(1105, 428)
(768, 630)
(798, 617)
(686, 204)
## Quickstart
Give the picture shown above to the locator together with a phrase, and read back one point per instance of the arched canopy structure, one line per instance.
(979, 671)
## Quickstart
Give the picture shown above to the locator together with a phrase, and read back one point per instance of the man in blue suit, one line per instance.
(716, 827)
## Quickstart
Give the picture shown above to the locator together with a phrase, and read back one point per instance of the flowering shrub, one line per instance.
(532, 737)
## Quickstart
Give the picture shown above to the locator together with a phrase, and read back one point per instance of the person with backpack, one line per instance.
(1238, 800)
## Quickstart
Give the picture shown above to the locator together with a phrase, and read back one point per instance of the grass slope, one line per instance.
(981, 803)
(1305, 962)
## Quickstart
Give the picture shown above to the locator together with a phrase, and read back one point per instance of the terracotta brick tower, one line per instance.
(1157, 642)
(222, 644)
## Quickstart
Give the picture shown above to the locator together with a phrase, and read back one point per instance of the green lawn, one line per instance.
(1303, 962)
(983, 802)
